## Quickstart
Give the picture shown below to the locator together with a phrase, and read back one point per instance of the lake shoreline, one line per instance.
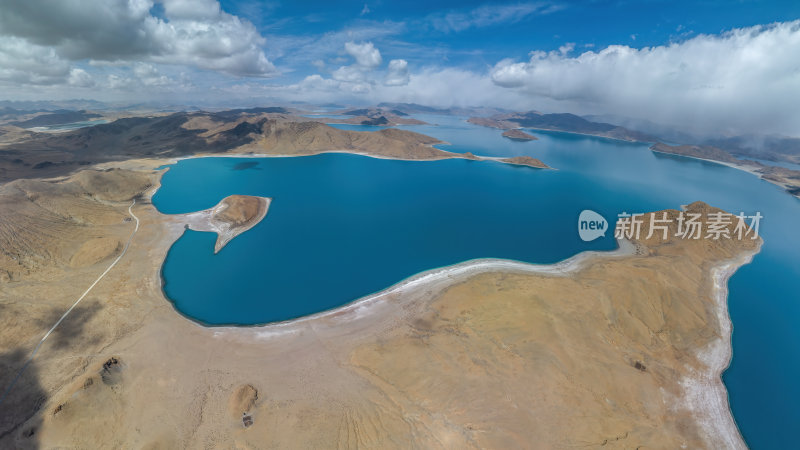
(705, 397)
(706, 392)
(240, 352)
(744, 167)
(451, 274)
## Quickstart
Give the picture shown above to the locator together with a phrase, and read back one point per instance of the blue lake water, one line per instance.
(352, 127)
(72, 126)
(343, 226)
(785, 164)
(326, 116)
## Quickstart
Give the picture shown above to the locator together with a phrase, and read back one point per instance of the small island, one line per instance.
(525, 161)
(233, 216)
(514, 161)
(518, 135)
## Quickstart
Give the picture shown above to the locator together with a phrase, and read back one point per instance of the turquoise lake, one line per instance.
(343, 226)
(73, 125)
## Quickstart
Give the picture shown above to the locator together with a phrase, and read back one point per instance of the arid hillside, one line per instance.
(477, 358)
(25, 154)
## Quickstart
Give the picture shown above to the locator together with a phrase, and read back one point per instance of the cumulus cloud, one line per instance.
(80, 78)
(397, 74)
(431, 86)
(743, 81)
(192, 33)
(358, 75)
(366, 55)
(149, 75)
(23, 63)
(192, 9)
(349, 74)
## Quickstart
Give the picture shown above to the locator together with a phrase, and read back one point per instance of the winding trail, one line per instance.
(64, 316)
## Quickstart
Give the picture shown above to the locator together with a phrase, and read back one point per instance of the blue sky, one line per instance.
(482, 35)
(716, 67)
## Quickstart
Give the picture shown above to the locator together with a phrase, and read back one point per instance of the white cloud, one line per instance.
(80, 78)
(367, 58)
(366, 55)
(450, 87)
(24, 63)
(566, 48)
(431, 86)
(397, 74)
(742, 81)
(297, 51)
(149, 75)
(193, 33)
(489, 15)
(192, 9)
(350, 74)
(120, 83)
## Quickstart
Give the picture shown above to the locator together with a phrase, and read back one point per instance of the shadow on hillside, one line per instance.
(19, 423)
(22, 395)
(73, 326)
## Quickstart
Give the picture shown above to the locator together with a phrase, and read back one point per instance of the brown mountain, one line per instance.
(696, 151)
(569, 123)
(518, 135)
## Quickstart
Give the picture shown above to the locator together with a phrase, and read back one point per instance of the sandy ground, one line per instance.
(705, 392)
(612, 350)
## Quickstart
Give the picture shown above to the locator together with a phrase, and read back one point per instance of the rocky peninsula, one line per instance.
(233, 216)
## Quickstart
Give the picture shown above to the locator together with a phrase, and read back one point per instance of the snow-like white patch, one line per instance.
(704, 393)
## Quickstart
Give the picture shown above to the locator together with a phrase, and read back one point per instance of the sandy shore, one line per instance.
(749, 168)
(436, 280)
(744, 167)
(500, 159)
(706, 394)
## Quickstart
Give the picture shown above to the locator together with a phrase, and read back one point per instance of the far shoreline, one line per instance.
(743, 167)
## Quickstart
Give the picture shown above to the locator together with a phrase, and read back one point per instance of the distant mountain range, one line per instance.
(565, 122)
(414, 108)
(28, 107)
(58, 117)
(379, 116)
(786, 178)
(770, 148)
